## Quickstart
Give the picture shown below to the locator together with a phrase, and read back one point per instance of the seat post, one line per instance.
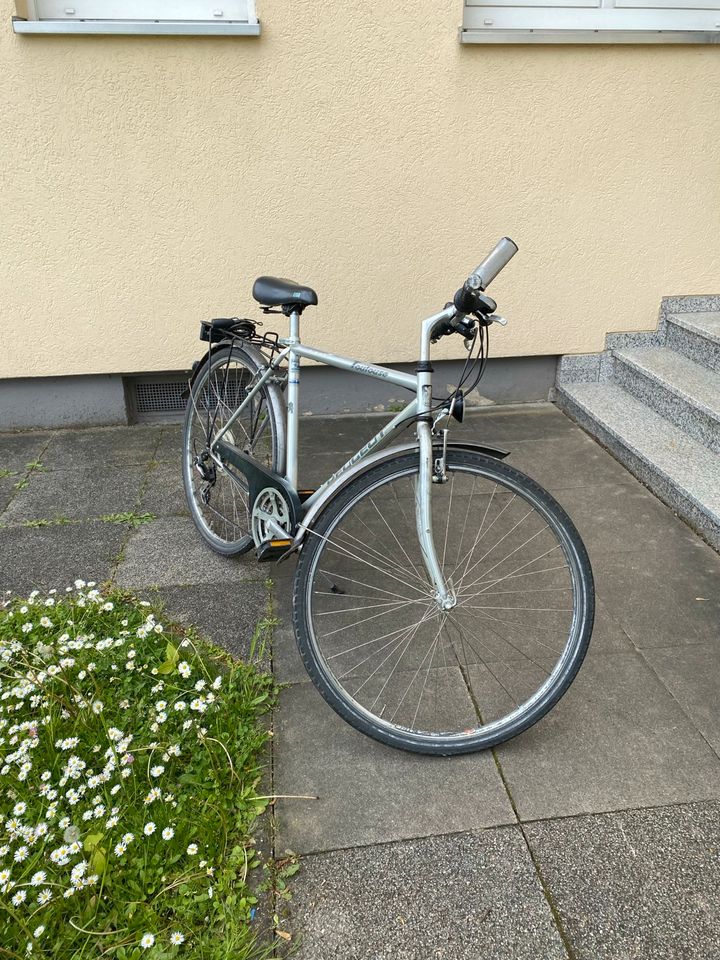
(293, 399)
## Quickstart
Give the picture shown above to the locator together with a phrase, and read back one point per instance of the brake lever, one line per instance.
(496, 318)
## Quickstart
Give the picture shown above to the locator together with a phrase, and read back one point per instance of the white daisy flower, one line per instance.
(168, 833)
(184, 668)
(45, 896)
(39, 931)
(176, 938)
(149, 829)
(19, 809)
(38, 878)
(192, 849)
(45, 622)
(147, 941)
(108, 606)
(157, 770)
(19, 898)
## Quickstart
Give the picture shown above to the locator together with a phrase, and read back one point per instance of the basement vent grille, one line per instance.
(153, 399)
(161, 398)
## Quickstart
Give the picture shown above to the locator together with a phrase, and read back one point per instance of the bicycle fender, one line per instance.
(251, 352)
(340, 482)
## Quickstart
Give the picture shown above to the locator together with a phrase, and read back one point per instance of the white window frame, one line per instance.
(591, 21)
(170, 17)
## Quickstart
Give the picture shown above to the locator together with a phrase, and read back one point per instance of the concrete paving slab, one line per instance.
(170, 552)
(7, 491)
(56, 556)
(78, 494)
(642, 884)
(571, 461)
(163, 493)
(287, 664)
(541, 421)
(692, 675)
(19, 449)
(369, 793)
(664, 597)
(107, 446)
(227, 614)
(616, 740)
(615, 518)
(170, 446)
(463, 897)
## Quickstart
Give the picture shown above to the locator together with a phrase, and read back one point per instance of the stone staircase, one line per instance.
(653, 399)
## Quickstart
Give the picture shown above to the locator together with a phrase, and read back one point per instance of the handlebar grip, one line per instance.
(494, 262)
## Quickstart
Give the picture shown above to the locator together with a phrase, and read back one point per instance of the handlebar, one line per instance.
(469, 299)
(498, 258)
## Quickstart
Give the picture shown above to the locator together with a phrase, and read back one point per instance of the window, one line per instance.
(591, 21)
(137, 16)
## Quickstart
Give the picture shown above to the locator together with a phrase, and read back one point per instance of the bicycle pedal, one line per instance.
(272, 550)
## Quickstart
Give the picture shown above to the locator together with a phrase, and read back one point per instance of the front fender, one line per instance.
(345, 478)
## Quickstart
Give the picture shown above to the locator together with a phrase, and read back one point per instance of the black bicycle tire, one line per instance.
(344, 705)
(219, 356)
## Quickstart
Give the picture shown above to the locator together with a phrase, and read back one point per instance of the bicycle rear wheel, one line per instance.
(218, 500)
(396, 666)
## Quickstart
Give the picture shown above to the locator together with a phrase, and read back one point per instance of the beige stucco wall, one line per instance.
(144, 183)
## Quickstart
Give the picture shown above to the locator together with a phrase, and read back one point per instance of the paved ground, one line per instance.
(594, 835)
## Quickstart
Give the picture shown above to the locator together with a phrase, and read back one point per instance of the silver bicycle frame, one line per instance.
(421, 384)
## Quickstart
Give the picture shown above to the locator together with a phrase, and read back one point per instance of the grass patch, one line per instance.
(132, 519)
(6, 473)
(130, 765)
(35, 466)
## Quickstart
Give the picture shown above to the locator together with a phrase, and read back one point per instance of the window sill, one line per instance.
(588, 36)
(184, 28)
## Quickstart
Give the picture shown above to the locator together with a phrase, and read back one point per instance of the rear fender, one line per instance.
(251, 352)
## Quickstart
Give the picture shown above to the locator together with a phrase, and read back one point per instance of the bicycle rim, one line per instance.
(397, 666)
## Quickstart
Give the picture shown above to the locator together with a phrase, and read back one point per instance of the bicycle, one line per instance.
(443, 601)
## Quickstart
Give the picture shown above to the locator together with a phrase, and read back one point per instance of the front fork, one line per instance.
(423, 508)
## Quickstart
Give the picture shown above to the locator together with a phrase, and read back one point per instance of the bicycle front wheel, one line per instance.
(394, 664)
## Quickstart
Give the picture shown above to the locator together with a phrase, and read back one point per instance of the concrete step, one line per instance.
(697, 336)
(680, 470)
(676, 387)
